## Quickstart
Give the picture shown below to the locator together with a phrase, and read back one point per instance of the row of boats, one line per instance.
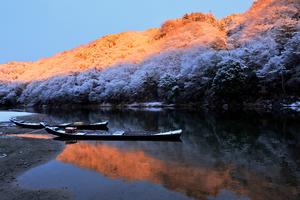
(82, 131)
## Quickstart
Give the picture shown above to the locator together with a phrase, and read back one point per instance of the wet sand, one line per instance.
(18, 155)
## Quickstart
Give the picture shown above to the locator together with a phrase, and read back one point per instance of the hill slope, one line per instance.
(127, 47)
(239, 59)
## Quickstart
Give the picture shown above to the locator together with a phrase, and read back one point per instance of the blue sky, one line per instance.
(32, 29)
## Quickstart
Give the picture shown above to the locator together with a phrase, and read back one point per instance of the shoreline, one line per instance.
(262, 106)
(23, 154)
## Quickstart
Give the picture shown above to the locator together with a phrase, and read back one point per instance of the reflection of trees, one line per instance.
(197, 182)
(258, 148)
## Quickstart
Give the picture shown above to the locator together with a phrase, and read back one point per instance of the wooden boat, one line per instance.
(85, 126)
(118, 135)
(24, 124)
(78, 125)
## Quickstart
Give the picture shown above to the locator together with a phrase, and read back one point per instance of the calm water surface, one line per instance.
(6, 115)
(220, 157)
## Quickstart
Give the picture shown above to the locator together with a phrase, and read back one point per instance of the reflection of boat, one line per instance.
(24, 124)
(85, 126)
(118, 135)
(70, 142)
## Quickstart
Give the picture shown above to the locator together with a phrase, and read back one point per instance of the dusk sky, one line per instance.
(34, 29)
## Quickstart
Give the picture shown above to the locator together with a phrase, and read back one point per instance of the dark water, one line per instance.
(220, 157)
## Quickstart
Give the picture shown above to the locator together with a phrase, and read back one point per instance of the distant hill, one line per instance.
(240, 59)
(127, 47)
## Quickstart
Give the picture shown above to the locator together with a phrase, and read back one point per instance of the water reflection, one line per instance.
(138, 166)
(86, 184)
(30, 135)
(248, 157)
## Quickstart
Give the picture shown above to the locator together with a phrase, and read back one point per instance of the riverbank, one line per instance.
(281, 106)
(18, 155)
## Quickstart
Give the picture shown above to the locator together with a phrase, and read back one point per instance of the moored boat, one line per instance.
(25, 124)
(78, 125)
(85, 126)
(118, 135)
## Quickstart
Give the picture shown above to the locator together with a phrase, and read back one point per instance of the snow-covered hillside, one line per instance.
(241, 58)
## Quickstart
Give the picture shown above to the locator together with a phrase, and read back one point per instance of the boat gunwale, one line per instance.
(154, 137)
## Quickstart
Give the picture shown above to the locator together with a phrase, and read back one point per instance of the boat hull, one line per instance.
(153, 137)
(30, 126)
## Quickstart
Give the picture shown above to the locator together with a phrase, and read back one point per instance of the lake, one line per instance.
(244, 156)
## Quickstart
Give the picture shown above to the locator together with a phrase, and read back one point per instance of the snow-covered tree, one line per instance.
(232, 80)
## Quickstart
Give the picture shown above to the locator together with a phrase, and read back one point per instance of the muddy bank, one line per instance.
(17, 155)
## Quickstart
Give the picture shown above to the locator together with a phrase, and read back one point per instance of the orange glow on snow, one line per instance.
(127, 47)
